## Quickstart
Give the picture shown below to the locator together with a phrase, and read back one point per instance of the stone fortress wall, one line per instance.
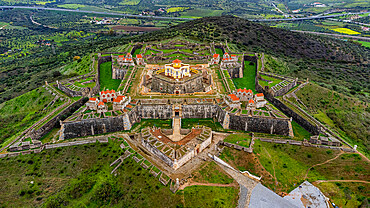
(270, 96)
(165, 111)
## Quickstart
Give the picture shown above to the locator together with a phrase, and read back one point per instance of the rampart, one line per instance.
(91, 127)
(44, 129)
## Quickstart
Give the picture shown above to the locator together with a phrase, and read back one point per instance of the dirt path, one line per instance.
(191, 183)
(308, 170)
(351, 181)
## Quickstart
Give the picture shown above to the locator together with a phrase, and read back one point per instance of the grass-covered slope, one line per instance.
(21, 112)
(80, 177)
(350, 117)
(283, 167)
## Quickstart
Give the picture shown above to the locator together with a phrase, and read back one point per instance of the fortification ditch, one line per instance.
(48, 126)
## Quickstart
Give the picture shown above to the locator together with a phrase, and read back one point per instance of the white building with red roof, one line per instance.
(102, 108)
(244, 94)
(232, 100)
(108, 95)
(215, 58)
(260, 100)
(125, 60)
(139, 59)
(120, 102)
(92, 103)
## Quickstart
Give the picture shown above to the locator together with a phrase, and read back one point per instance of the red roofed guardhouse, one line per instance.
(139, 59)
(92, 103)
(215, 58)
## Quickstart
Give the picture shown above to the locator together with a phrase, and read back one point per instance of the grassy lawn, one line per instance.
(249, 77)
(164, 124)
(106, 81)
(229, 80)
(271, 84)
(239, 139)
(210, 172)
(210, 196)
(300, 132)
(49, 136)
(188, 123)
(80, 176)
(289, 163)
(77, 67)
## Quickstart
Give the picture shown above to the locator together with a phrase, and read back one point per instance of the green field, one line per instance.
(106, 81)
(289, 163)
(209, 196)
(164, 124)
(363, 43)
(347, 116)
(188, 123)
(239, 139)
(201, 13)
(273, 82)
(210, 172)
(249, 77)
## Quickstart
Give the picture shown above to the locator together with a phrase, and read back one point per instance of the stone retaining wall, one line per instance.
(44, 129)
(92, 127)
(51, 146)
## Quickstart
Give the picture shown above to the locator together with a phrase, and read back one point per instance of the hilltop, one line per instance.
(332, 63)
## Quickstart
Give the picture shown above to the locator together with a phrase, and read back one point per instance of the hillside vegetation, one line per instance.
(18, 114)
(80, 177)
(349, 116)
(324, 60)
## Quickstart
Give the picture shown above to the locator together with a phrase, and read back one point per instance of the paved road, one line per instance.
(92, 12)
(335, 35)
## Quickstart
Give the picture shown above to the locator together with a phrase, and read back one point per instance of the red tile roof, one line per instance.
(139, 56)
(176, 61)
(215, 55)
(233, 97)
(245, 90)
(251, 101)
(121, 56)
(233, 55)
(118, 99)
(92, 99)
(108, 91)
(101, 103)
(260, 95)
(128, 54)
